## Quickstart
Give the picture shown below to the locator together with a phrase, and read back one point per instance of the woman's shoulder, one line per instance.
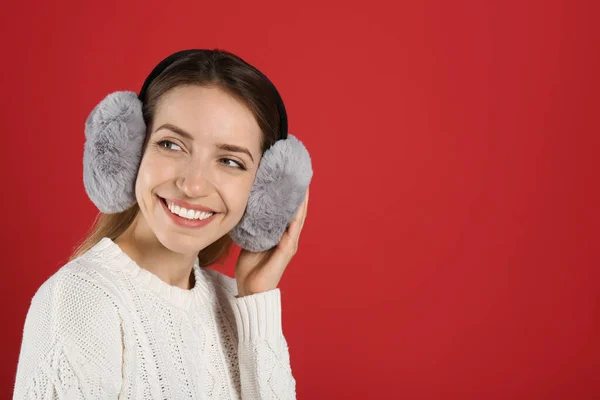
(74, 305)
(80, 289)
(77, 282)
(95, 272)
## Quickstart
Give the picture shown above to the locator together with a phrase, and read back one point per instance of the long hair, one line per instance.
(204, 68)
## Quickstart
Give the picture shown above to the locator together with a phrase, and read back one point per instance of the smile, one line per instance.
(185, 217)
(188, 214)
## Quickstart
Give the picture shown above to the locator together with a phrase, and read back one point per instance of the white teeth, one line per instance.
(189, 214)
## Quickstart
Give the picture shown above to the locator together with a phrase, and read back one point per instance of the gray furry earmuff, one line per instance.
(115, 132)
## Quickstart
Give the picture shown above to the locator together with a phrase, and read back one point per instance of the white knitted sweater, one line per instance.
(102, 327)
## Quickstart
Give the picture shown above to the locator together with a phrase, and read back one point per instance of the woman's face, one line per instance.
(202, 154)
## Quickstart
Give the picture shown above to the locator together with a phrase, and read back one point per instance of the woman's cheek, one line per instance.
(235, 194)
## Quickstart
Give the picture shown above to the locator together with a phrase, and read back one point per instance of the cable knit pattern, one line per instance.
(102, 327)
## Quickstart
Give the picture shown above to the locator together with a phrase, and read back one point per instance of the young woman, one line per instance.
(135, 313)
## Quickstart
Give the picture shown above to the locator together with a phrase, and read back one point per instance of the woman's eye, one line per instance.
(167, 144)
(232, 163)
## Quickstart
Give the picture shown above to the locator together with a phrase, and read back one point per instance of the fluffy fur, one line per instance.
(114, 132)
(281, 182)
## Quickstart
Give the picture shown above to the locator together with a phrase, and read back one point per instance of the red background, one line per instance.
(451, 245)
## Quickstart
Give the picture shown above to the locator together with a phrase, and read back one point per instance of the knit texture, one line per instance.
(102, 327)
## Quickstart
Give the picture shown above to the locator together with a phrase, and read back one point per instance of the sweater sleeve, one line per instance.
(71, 347)
(263, 354)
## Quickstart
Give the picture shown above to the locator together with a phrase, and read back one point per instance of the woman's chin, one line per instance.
(181, 243)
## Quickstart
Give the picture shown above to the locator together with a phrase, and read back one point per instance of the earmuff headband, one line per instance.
(164, 64)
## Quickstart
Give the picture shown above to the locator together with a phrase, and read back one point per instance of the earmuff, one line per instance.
(115, 131)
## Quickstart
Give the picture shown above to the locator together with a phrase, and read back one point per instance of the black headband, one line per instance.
(183, 53)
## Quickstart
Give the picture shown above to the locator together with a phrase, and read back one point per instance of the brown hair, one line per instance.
(205, 68)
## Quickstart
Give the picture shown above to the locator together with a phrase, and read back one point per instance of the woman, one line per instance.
(134, 314)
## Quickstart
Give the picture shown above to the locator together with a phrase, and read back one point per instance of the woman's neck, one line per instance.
(143, 247)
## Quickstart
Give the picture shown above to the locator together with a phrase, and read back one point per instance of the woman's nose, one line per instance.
(196, 180)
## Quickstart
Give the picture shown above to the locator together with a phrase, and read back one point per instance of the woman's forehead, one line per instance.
(209, 113)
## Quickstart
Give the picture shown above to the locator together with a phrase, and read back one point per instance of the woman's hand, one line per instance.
(259, 272)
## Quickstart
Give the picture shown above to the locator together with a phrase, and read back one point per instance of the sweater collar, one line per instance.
(118, 260)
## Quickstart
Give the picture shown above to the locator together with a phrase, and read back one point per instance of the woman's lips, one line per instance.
(184, 222)
(188, 206)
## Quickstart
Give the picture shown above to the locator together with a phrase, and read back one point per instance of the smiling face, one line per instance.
(202, 155)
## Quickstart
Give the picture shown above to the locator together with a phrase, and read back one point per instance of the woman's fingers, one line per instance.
(305, 206)
(302, 211)
(300, 214)
(295, 226)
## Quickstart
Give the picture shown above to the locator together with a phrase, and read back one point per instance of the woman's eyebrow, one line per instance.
(176, 130)
(222, 146)
(234, 148)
